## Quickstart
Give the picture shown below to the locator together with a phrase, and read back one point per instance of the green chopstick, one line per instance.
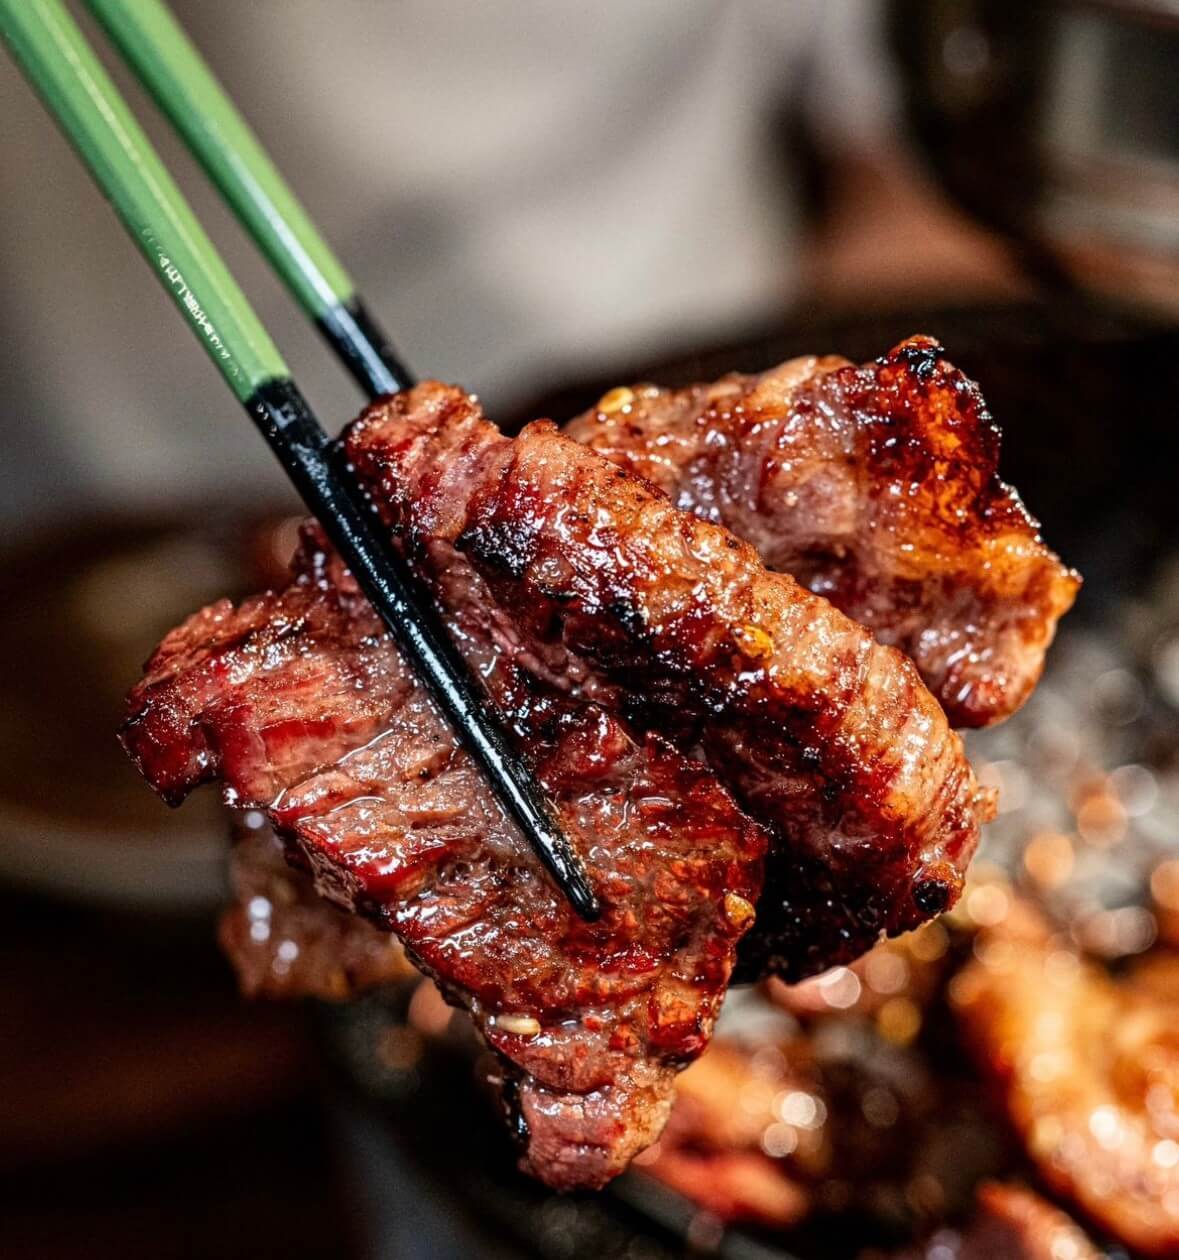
(50, 48)
(166, 62)
(46, 42)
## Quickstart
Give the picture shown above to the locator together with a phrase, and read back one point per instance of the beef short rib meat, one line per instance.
(876, 487)
(603, 587)
(684, 708)
(300, 704)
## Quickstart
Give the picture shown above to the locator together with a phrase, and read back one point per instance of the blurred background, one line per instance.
(541, 200)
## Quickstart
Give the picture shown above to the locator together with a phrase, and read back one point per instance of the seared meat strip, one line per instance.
(609, 590)
(712, 1150)
(301, 705)
(876, 487)
(1088, 1069)
(774, 1129)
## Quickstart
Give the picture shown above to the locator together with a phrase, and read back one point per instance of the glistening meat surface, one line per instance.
(298, 702)
(604, 588)
(878, 488)
(649, 667)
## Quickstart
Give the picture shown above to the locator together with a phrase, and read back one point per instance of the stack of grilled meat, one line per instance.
(731, 628)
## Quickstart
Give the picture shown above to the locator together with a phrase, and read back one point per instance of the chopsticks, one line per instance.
(180, 81)
(54, 55)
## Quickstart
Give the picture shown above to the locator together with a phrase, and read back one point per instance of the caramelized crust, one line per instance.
(876, 487)
(1088, 1068)
(654, 675)
(301, 705)
(824, 734)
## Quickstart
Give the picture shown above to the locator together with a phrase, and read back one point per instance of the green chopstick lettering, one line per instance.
(179, 286)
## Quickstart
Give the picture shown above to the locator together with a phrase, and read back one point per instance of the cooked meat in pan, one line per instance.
(876, 487)
(1010, 1222)
(713, 1150)
(1088, 1070)
(300, 704)
(910, 968)
(804, 1125)
(600, 586)
(285, 941)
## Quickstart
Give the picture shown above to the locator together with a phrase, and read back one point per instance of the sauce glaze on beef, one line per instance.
(827, 737)
(876, 487)
(300, 704)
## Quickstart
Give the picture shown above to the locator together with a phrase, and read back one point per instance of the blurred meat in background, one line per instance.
(543, 201)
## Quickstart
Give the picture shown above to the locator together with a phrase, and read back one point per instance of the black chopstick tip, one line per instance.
(364, 348)
(313, 463)
(538, 817)
(581, 898)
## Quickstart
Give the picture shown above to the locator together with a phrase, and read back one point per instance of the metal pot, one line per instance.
(1058, 123)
